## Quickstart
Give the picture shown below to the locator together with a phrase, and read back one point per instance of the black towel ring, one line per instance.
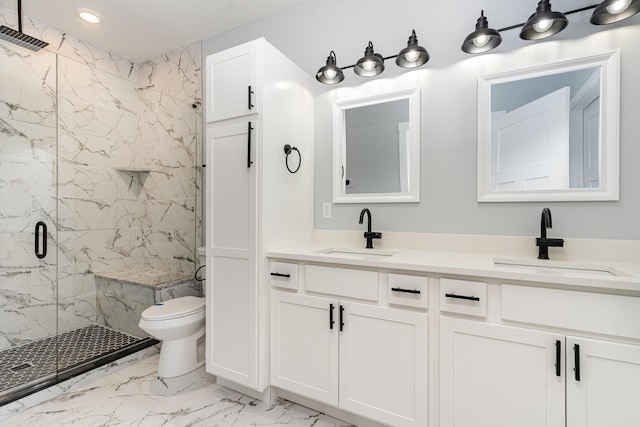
(288, 149)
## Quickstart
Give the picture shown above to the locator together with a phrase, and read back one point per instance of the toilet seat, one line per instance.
(174, 309)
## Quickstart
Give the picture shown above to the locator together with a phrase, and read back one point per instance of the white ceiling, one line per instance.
(142, 29)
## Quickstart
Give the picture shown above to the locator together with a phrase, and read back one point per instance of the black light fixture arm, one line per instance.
(384, 58)
(544, 23)
(571, 12)
(372, 63)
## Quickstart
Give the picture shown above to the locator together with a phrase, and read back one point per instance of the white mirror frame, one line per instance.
(609, 132)
(412, 195)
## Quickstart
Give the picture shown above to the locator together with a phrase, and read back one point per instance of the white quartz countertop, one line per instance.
(613, 276)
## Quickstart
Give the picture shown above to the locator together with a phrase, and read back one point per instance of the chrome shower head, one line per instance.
(18, 37)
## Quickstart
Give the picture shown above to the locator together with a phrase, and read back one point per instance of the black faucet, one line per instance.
(543, 242)
(369, 235)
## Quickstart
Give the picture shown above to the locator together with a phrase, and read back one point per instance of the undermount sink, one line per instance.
(557, 267)
(357, 253)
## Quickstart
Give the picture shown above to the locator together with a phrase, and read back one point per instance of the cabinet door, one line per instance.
(231, 83)
(605, 390)
(498, 376)
(304, 345)
(231, 256)
(383, 364)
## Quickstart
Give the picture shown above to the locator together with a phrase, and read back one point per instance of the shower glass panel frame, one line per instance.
(28, 225)
(50, 329)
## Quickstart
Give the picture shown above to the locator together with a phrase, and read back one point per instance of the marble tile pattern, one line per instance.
(122, 296)
(72, 384)
(134, 396)
(105, 116)
(27, 194)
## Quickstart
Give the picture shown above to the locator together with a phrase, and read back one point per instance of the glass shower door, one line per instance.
(28, 255)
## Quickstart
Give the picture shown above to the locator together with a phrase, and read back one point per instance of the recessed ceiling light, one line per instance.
(90, 16)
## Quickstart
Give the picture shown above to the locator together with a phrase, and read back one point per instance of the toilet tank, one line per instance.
(201, 253)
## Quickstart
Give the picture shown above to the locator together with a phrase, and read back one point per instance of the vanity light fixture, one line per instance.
(89, 16)
(483, 39)
(544, 23)
(372, 63)
(413, 55)
(610, 11)
(330, 74)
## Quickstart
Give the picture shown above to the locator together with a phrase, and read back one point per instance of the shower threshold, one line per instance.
(40, 364)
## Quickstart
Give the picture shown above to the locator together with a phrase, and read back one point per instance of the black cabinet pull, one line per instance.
(249, 93)
(408, 291)
(331, 321)
(341, 318)
(249, 162)
(41, 229)
(576, 353)
(280, 275)
(558, 357)
(462, 297)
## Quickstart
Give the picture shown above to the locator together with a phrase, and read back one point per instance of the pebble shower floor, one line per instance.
(20, 366)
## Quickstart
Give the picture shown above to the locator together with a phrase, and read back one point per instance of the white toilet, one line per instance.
(179, 324)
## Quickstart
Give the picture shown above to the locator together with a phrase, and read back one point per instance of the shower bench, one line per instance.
(122, 296)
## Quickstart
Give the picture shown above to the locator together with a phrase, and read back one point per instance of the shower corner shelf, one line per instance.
(132, 169)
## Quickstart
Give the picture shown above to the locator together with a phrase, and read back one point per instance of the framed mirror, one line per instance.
(550, 133)
(376, 148)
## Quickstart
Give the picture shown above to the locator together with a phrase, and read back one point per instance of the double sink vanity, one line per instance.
(426, 338)
(455, 334)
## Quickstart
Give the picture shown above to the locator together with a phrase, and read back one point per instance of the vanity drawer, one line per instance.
(463, 297)
(345, 282)
(284, 275)
(582, 311)
(409, 290)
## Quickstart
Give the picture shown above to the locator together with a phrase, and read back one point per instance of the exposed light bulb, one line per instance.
(330, 74)
(412, 56)
(543, 25)
(368, 65)
(618, 6)
(481, 41)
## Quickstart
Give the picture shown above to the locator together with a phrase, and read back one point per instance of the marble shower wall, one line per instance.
(27, 194)
(127, 137)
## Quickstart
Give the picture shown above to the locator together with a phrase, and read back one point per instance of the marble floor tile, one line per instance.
(134, 396)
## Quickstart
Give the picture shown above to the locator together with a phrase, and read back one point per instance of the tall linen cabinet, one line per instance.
(257, 101)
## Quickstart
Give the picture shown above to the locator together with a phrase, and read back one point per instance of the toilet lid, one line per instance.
(173, 308)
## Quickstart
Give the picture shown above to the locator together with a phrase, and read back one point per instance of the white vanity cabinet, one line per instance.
(607, 390)
(304, 345)
(365, 358)
(383, 364)
(499, 376)
(253, 203)
(232, 82)
(505, 373)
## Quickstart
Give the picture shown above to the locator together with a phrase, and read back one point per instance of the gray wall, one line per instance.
(308, 31)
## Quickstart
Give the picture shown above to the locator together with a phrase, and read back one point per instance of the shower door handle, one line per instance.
(41, 250)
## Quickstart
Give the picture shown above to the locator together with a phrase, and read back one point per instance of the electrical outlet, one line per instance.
(326, 210)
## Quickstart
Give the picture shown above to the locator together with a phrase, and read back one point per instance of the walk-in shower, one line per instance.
(97, 176)
(48, 323)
